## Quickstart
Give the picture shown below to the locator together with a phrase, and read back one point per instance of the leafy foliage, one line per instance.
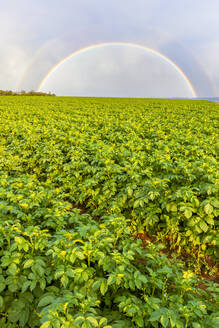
(25, 93)
(133, 165)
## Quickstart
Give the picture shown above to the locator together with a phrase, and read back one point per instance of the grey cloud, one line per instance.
(117, 71)
(28, 25)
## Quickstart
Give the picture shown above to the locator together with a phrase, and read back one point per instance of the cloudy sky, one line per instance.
(183, 36)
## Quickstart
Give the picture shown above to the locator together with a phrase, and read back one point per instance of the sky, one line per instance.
(37, 35)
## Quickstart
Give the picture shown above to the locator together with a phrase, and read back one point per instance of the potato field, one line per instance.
(108, 213)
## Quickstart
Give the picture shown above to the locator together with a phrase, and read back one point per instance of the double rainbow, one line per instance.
(107, 44)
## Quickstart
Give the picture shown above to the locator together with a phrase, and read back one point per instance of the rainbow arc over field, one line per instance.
(129, 44)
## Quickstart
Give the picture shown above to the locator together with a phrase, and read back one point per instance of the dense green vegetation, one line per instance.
(80, 180)
(24, 93)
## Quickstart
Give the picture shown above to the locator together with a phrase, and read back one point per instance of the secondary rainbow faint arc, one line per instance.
(99, 45)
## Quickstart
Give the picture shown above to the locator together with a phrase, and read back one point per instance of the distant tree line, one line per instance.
(25, 93)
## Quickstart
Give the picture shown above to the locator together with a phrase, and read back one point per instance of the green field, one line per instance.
(108, 212)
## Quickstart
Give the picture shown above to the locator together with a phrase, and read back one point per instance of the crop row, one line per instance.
(155, 163)
(79, 178)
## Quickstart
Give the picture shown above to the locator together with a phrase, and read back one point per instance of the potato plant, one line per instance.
(79, 179)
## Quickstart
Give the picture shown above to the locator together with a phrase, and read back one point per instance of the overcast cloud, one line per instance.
(117, 70)
(37, 34)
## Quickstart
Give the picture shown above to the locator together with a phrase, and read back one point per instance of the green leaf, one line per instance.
(103, 288)
(165, 269)
(2, 286)
(28, 264)
(197, 229)
(193, 222)
(72, 257)
(130, 191)
(12, 269)
(136, 203)
(138, 283)
(45, 324)
(84, 325)
(203, 226)
(131, 284)
(168, 207)
(25, 285)
(209, 220)
(164, 320)
(96, 285)
(16, 310)
(23, 317)
(173, 207)
(40, 270)
(25, 247)
(19, 240)
(1, 301)
(33, 285)
(155, 315)
(59, 273)
(208, 208)
(179, 324)
(102, 321)
(93, 321)
(13, 315)
(195, 202)
(188, 213)
(139, 321)
(215, 203)
(64, 281)
(70, 272)
(79, 320)
(13, 287)
(42, 283)
(196, 325)
(48, 299)
(143, 278)
(110, 280)
(85, 276)
(172, 320)
(80, 255)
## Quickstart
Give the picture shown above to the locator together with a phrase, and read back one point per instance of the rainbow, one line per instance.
(106, 44)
